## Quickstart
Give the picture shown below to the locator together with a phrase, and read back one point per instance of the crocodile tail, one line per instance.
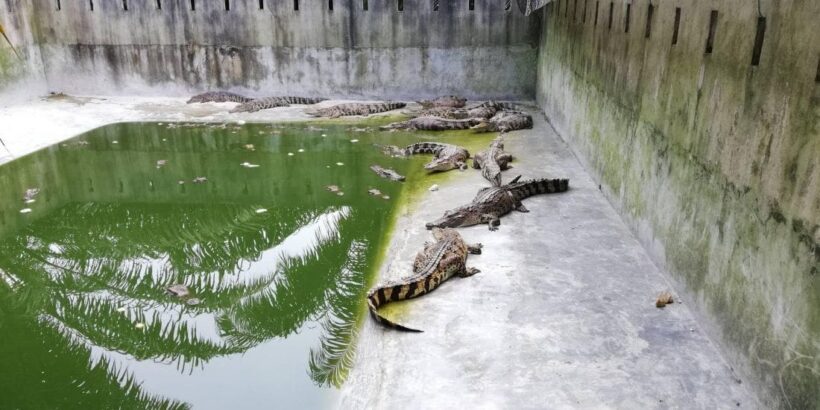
(393, 105)
(373, 303)
(539, 186)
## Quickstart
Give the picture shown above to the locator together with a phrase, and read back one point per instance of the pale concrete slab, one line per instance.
(562, 314)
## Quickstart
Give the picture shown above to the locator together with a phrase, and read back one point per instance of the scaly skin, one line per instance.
(438, 262)
(273, 102)
(444, 101)
(492, 203)
(496, 105)
(505, 121)
(219, 96)
(447, 156)
(342, 110)
(450, 113)
(387, 173)
(432, 124)
(493, 161)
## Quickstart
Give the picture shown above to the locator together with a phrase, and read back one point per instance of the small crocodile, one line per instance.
(342, 110)
(387, 173)
(505, 121)
(273, 102)
(491, 203)
(481, 112)
(439, 261)
(219, 96)
(445, 101)
(450, 113)
(433, 124)
(493, 161)
(447, 156)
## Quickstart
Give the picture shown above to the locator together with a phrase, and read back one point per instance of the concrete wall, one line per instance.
(712, 161)
(21, 77)
(347, 51)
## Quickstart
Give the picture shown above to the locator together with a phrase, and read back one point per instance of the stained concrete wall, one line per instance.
(712, 161)
(489, 51)
(21, 73)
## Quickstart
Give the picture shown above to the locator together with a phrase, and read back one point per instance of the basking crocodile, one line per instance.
(496, 105)
(219, 96)
(447, 156)
(432, 124)
(451, 113)
(493, 161)
(387, 173)
(494, 202)
(444, 101)
(439, 261)
(273, 102)
(505, 121)
(342, 110)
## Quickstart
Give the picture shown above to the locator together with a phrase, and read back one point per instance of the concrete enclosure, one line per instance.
(336, 48)
(699, 120)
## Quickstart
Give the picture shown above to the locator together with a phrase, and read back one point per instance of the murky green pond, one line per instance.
(277, 264)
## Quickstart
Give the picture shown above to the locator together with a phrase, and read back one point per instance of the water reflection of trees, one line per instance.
(258, 276)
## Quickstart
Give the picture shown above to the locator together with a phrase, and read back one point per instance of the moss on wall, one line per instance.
(712, 161)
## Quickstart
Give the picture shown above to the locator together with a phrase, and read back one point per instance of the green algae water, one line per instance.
(277, 266)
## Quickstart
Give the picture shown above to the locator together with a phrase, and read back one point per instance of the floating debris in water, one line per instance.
(340, 193)
(340, 163)
(181, 182)
(178, 290)
(121, 309)
(140, 325)
(434, 188)
(324, 135)
(159, 123)
(333, 188)
(247, 164)
(301, 150)
(261, 210)
(374, 192)
(193, 301)
(200, 180)
(385, 196)
(312, 128)
(25, 210)
(241, 122)
(290, 154)
(357, 129)
(161, 163)
(165, 139)
(354, 140)
(115, 142)
(250, 147)
(664, 299)
(28, 196)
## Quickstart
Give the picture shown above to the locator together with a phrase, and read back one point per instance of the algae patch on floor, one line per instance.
(277, 266)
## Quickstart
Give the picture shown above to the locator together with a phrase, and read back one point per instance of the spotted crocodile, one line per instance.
(387, 173)
(273, 102)
(493, 161)
(447, 156)
(342, 110)
(433, 124)
(505, 121)
(445, 101)
(491, 203)
(438, 262)
(451, 113)
(219, 96)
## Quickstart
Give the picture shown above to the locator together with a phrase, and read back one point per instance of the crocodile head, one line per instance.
(441, 164)
(464, 216)
(483, 126)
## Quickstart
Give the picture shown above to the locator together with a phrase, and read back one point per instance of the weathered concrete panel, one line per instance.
(417, 52)
(21, 73)
(713, 161)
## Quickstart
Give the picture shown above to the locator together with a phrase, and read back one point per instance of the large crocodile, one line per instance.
(432, 124)
(494, 202)
(451, 113)
(342, 110)
(447, 156)
(445, 101)
(273, 102)
(493, 161)
(439, 261)
(505, 121)
(219, 96)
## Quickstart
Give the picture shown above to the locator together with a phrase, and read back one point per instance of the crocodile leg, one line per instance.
(492, 220)
(474, 248)
(521, 208)
(461, 165)
(468, 272)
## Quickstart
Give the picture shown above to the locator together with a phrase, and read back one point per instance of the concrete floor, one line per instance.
(561, 316)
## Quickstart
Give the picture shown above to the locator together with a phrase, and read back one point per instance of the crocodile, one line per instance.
(451, 113)
(447, 156)
(219, 96)
(432, 124)
(493, 161)
(387, 173)
(445, 101)
(273, 102)
(347, 109)
(505, 121)
(496, 105)
(481, 112)
(491, 203)
(439, 261)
